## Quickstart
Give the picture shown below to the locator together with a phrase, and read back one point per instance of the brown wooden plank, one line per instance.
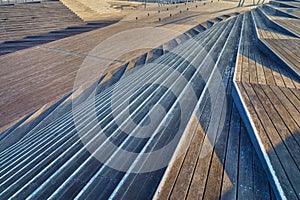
(238, 76)
(277, 75)
(278, 122)
(184, 177)
(281, 47)
(287, 104)
(29, 19)
(285, 115)
(267, 146)
(252, 65)
(286, 77)
(285, 53)
(260, 71)
(268, 73)
(285, 158)
(191, 135)
(245, 68)
(246, 46)
(215, 176)
(294, 97)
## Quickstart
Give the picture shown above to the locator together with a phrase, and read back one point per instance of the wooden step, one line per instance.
(269, 40)
(265, 94)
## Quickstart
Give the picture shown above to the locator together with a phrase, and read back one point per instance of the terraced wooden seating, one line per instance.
(287, 25)
(285, 4)
(278, 44)
(42, 156)
(211, 169)
(13, 111)
(57, 165)
(267, 95)
(281, 11)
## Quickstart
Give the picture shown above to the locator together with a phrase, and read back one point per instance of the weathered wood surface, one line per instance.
(51, 56)
(269, 100)
(284, 46)
(222, 167)
(22, 20)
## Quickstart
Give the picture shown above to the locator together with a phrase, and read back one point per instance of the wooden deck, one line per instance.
(282, 46)
(218, 161)
(282, 11)
(22, 20)
(49, 88)
(224, 168)
(268, 99)
(71, 171)
(51, 56)
(285, 4)
(290, 24)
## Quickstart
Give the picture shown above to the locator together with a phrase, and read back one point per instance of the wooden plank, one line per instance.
(252, 61)
(285, 115)
(285, 158)
(285, 53)
(245, 69)
(215, 176)
(287, 104)
(193, 134)
(245, 176)
(197, 185)
(198, 182)
(230, 177)
(35, 19)
(293, 95)
(286, 77)
(265, 142)
(261, 188)
(260, 71)
(277, 76)
(268, 73)
(184, 177)
(291, 24)
(285, 50)
(279, 43)
(238, 76)
(240, 56)
(279, 123)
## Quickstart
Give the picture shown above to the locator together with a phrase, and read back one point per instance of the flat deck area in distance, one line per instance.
(37, 77)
